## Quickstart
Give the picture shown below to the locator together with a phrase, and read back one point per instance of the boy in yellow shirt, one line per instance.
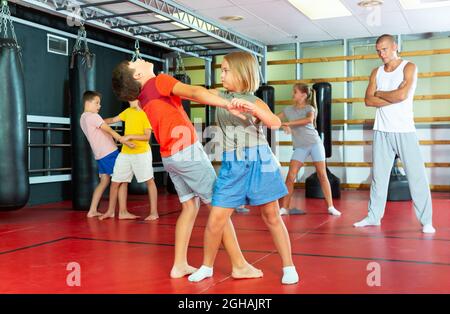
(136, 161)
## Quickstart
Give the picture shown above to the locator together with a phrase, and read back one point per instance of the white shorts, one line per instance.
(128, 165)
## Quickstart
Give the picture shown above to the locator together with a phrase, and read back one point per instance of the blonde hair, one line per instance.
(246, 68)
(310, 96)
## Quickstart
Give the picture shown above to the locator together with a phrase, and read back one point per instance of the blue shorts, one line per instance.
(250, 177)
(106, 164)
(317, 152)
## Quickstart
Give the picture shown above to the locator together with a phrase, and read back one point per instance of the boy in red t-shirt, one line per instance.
(182, 154)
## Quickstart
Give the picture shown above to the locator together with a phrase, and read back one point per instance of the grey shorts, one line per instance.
(317, 152)
(192, 173)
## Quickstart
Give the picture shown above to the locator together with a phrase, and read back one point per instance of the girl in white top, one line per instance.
(306, 141)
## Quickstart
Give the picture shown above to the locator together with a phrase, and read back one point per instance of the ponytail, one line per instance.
(313, 102)
(311, 97)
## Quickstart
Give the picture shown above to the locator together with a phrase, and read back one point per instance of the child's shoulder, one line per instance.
(164, 77)
(90, 116)
(86, 114)
(162, 74)
(254, 98)
(125, 110)
(288, 108)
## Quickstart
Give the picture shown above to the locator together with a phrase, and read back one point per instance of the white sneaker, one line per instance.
(290, 276)
(365, 222)
(428, 229)
(284, 211)
(333, 211)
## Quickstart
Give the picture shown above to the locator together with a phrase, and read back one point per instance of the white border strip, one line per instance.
(57, 120)
(50, 179)
(47, 119)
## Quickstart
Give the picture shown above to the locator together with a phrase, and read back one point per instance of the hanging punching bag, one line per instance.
(137, 188)
(323, 97)
(267, 94)
(84, 167)
(14, 190)
(312, 183)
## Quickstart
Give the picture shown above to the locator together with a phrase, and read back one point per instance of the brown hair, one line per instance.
(246, 67)
(89, 95)
(310, 96)
(124, 85)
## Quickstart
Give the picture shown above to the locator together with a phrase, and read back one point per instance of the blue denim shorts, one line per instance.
(106, 164)
(250, 176)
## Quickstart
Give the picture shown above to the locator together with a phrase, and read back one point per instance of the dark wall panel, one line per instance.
(46, 84)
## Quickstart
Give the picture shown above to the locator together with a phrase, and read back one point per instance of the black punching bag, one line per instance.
(267, 94)
(323, 100)
(14, 189)
(184, 78)
(137, 188)
(84, 166)
(398, 189)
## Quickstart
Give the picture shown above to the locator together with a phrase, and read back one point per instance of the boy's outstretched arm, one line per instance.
(259, 109)
(105, 127)
(112, 120)
(143, 137)
(199, 94)
(203, 96)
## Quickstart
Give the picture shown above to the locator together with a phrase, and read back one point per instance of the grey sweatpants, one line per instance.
(385, 146)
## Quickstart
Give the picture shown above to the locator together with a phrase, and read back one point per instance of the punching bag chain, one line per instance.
(81, 39)
(5, 18)
(180, 65)
(136, 54)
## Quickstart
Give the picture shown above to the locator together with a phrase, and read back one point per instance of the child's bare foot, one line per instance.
(152, 217)
(93, 213)
(127, 215)
(246, 272)
(180, 272)
(106, 216)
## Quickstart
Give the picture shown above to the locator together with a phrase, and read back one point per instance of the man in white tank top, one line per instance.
(391, 90)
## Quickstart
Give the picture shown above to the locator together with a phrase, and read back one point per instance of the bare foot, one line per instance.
(93, 213)
(152, 217)
(106, 216)
(246, 272)
(127, 215)
(180, 272)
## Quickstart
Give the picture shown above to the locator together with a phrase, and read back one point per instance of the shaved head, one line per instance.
(386, 37)
(386, 48)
